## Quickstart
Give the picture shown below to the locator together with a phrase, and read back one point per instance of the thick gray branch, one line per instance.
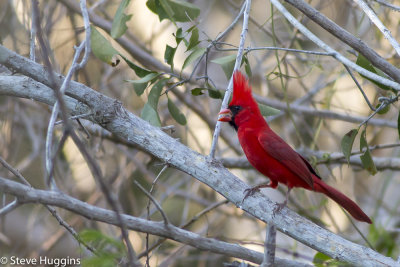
(26, 194)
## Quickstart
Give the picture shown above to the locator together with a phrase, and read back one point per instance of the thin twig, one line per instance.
(374, 18)
(148, 212)
(155, 202)
(185, 225)
(75, 66)
(359, 87)
(345, 36)
(15, 204)
(74, 118)
(230, 85)
(261, 48)
(32, 46)
(9, 207)
(384, 3)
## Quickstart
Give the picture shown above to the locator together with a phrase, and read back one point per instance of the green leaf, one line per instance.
(100, 239)
(196, 53)
(169, 55)
(102, 48)
(364, 62)
(227, 63)
(194, 39)
(151, 115)
(119, 23)
(247, 66)
(320, 258)
(168, 9)
(176, 113)
(155, 93)
(155, 6)
(108, 249)
(179, 36)
(366, 158)
(268, 111)
(384, 110)
(347, 143)
(141, 85)
(182, 11)
(198, 91)
(213, 93)
(149, 111)
(141, 72)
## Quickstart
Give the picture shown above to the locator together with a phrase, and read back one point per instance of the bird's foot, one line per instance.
(249, 192)
(279, 207)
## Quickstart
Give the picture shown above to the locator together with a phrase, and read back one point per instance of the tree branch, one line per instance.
(27, 194)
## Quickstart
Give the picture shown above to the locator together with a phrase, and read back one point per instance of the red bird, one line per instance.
(271, 155)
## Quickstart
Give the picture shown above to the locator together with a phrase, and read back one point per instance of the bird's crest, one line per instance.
(241, 91)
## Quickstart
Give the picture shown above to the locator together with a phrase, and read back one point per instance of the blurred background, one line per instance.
(278, 78)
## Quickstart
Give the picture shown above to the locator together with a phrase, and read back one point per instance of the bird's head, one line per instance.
(243, 106)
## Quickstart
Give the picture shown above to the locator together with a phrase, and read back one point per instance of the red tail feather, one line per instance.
(342, 200)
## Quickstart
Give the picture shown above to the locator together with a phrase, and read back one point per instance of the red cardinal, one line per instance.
(271, 155)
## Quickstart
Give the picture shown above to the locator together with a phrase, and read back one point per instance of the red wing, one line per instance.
(281, 151)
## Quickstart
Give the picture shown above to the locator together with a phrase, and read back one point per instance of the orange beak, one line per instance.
(225, 115)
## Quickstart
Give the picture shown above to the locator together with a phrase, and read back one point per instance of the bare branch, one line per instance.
(346, 37)
(230, 85)
(374, 18)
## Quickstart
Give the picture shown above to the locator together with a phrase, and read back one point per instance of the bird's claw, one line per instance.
(278, 207)
(249, 192)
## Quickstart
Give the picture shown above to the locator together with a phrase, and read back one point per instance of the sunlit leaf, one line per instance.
(119, 23)
(182, 11)
(195, 54)
(268, 111)
(227, 63)
(102, 48)
(347, 143)
(320, 258)
(176, 113)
